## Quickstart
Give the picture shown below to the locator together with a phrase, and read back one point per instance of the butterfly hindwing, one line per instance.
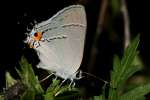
(65, 33)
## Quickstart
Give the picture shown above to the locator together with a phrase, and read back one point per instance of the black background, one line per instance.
(17, 16)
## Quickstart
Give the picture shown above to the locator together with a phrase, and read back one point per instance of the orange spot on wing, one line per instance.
(37, 36)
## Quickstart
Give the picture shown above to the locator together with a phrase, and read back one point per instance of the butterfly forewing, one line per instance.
(66, 33)
(74, 14)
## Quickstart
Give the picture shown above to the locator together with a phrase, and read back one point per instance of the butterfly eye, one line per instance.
(37, 36)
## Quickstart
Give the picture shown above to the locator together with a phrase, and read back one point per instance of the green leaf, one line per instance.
(129, 73)
(101, 97)
(28, 77)
(116, 63)
(123, 69)
(49, 96)
(28, 95)
(113, 95)
(9, 80)
(68, 95)
(1, 97)
(116, 68)
(136, 93)
(141, 98)
(129, 54)
(122, 72)
(57, 92)
(115, 6)
(54, 87)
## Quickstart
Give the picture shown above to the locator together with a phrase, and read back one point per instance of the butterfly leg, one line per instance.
(55, 78)
(77, 77)
(60, 86)
(72, 83)
(46, 77)
(63, 82)
(80, 75)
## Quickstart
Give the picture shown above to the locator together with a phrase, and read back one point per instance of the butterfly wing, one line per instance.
(63, 55)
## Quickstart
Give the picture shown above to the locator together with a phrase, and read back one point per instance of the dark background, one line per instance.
(17, 16)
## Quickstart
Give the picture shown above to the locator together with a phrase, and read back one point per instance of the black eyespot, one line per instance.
(36, 34)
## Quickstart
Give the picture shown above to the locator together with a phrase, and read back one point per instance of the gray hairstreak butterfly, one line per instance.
(59, 41)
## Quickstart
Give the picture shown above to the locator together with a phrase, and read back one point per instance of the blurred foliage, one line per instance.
(123, 69)
(115, 6)
(9, 80)
(29, 87)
